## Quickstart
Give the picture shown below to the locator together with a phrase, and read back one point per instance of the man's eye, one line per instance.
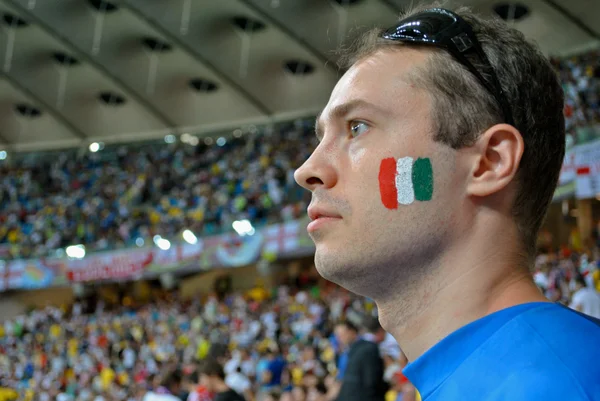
(357, 128)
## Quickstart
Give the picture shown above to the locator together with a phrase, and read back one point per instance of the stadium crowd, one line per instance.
(580, 77)
(110, 199)
(280, 345)
(127, 194)
(270, 346)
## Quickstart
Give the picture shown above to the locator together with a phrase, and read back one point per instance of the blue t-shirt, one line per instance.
(535, 351)
(276, 367)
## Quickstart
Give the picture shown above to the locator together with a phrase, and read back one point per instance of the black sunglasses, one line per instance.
(444, 29)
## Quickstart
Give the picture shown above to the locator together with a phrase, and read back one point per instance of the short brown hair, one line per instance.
(463, 109)
(211, 368)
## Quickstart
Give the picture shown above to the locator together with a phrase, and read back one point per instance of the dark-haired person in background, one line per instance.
(170, 388)
(439, 153)
(386, 342)
(212, 377)
(362, 378)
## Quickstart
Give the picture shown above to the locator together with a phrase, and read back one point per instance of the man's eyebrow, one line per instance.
(344, 109)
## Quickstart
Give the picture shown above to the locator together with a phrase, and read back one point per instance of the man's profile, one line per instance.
(439, 152)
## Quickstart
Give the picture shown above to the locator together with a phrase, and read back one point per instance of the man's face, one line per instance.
(344, 335)
(379, 228)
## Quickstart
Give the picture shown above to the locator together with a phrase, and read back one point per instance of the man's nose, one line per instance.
(317, 171)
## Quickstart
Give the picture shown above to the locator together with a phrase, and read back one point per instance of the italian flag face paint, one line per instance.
(405, 181)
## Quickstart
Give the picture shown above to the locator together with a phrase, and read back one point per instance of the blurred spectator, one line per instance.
(387, 343)
(169, 390)
(196, 392)
(273, 373)
(238, 382)
(363, 371)
(213, 377)
(585, 299)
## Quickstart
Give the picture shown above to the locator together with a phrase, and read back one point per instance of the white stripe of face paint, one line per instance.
(404, 184)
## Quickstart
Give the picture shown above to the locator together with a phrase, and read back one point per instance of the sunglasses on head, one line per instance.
(446, 30)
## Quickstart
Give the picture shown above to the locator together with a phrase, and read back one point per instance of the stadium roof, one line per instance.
(79, 71)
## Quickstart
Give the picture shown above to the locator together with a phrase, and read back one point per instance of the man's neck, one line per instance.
(459, 292)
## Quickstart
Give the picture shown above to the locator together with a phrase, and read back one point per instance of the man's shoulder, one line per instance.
(557, 324)
(526, 369)
(556, 331)
(546, 351)
(547, 383)
(551, 345)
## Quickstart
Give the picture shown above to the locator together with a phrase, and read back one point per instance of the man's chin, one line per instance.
(338, 270)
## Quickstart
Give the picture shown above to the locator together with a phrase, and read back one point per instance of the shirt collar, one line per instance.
(432, 368)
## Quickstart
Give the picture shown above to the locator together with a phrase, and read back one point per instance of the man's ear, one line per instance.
(497, 155)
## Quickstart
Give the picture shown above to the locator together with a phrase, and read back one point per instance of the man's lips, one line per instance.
(315, 212)
(320, 217)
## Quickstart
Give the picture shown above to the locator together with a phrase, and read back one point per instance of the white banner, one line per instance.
(110, 266)
(587, 169)
(568, 172)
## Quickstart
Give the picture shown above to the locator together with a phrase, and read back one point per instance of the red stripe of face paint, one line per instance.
(387, 183)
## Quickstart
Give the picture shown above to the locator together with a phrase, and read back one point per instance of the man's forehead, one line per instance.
(347, 106)
(379, 80)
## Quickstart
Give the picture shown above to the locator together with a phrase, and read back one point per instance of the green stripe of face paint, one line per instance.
(422, 177)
